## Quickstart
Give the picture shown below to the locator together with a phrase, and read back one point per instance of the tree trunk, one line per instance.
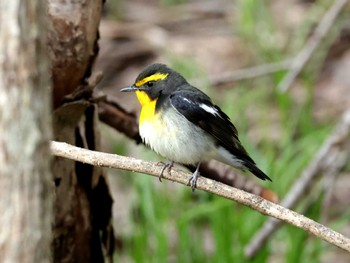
(82, 207)
(25, 130)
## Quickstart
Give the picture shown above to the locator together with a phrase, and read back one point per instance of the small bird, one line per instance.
(182, 124)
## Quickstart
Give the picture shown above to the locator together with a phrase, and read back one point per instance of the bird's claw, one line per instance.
(193, 181)
(168, 165)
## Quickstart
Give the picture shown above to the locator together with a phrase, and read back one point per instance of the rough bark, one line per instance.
(72, 40)
(82, 206)
(25, 129)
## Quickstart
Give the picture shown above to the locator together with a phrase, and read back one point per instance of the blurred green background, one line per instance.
(207, 41)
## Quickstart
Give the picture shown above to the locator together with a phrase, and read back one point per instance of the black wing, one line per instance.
(197, 107)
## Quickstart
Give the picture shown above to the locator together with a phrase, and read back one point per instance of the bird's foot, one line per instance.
(193, 180)
(166, 165)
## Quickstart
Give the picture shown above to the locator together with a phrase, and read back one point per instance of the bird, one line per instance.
(182, 124)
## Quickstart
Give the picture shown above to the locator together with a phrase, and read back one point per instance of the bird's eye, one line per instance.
(150, 84)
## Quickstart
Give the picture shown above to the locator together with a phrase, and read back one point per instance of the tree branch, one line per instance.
(332, 155)
(263, 206)
(251, 72)
(312, 44)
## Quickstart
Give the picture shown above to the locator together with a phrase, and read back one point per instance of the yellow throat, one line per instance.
(148, 106)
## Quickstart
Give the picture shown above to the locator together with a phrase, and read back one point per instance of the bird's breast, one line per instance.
(174, 137)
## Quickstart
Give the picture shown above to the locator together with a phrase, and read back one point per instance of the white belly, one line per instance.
(178, 140)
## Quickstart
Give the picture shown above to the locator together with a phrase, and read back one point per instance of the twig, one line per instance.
(252, 72)
(223, 173)
(311, 45)
(112, 114)
(250, 200)
(330, 156)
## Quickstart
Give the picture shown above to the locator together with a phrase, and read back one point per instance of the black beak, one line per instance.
(129, 89)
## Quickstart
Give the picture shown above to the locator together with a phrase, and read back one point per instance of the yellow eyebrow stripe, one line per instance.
(154, 77)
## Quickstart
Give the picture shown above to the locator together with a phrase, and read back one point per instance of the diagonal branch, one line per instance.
(311, 45)
(251, 72)
(263, 206)
(330, 156)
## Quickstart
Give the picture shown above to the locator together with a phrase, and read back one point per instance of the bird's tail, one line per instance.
(256, 171)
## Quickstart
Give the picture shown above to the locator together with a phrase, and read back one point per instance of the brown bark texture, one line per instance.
(82, 208)
(72, 41)
(25, 131)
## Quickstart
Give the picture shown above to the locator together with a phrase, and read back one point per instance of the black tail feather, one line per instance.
(249, 165)
(256, 171)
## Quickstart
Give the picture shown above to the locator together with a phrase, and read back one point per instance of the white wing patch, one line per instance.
(187, 100)
(210, 109)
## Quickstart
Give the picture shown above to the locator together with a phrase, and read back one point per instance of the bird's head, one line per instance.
(154, 81)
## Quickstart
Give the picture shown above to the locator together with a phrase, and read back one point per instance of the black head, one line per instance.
(155, 80)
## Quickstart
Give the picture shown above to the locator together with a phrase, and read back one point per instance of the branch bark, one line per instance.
(263, 206)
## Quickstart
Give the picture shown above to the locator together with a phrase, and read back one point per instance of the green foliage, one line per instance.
(171, 2)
